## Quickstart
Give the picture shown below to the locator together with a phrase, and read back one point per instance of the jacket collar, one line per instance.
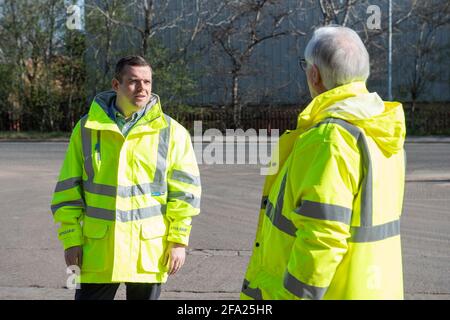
(98, 118)
(313, 112)
(383, 121)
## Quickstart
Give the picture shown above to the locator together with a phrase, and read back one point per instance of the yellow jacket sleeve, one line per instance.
(68, 204)
(323, 182)
(184, 189)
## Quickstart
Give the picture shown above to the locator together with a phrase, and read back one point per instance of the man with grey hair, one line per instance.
(329, 225)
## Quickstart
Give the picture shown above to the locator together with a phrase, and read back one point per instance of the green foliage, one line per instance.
(42, 67)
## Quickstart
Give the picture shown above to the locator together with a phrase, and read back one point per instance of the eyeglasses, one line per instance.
(303, 63)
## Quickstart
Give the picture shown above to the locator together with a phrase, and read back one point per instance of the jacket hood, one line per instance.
(383, 121)
(106, 98)
(99, 112)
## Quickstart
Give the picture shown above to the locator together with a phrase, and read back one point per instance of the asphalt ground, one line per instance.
(32, 264)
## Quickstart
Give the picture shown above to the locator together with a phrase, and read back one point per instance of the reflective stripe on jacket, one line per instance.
(329, 223)
(124, 198)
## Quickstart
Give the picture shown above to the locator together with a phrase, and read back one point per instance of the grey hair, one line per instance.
(339, 54)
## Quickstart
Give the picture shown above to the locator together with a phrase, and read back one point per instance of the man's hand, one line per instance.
(74, 256)
(176, 257)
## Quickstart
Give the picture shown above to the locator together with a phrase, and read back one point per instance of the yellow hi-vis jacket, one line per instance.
(124, 198)
(329, 223)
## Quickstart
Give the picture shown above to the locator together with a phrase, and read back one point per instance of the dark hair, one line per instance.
(129, 61)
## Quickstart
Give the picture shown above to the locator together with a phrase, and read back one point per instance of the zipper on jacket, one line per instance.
(97, 146)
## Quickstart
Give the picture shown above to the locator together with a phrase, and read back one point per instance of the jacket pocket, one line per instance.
(95, 248)
(153, 242)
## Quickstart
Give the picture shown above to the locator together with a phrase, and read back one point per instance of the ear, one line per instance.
(315, 76)
(115, 84)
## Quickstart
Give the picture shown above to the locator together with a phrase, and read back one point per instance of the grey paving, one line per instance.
(32, 264)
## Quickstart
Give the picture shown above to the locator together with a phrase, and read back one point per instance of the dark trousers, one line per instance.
(107, 291)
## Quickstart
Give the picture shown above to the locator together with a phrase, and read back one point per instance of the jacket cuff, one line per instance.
(179, 233)
(70, 236)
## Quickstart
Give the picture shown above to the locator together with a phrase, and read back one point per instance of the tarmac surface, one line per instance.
(32, 264)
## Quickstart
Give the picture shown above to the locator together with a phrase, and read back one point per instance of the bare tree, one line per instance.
(150, 18)
(337, 12)
(103, 40)
(165, 32)
(426, 52)
(352, 13)
(243, 27)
